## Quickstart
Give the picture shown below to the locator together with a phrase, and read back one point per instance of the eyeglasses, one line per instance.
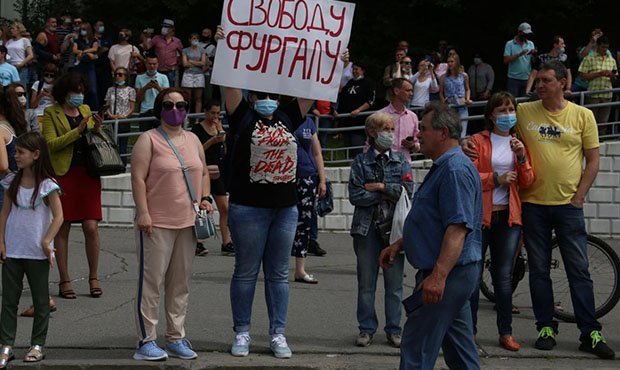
(119, 74)
(264, 95)
(49, 75)
(181, 105)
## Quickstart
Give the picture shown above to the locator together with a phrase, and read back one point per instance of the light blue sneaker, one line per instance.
(241, 345)
(150, 351)
(279, 347)
(182, 349)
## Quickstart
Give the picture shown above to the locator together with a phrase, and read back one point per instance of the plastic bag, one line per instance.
(400, 214)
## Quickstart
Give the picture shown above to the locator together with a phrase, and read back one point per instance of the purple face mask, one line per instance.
(174, 117)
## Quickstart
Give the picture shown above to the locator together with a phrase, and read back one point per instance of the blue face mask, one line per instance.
(120, 83)
(83, 33)
(75, 100)
(265, 107)
(504, 122)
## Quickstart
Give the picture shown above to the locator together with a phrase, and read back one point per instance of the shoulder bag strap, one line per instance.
(185, 170)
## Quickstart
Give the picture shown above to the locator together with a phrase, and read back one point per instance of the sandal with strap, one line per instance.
(95, 291)
(67, 293)
(35, 354)
(6, 356)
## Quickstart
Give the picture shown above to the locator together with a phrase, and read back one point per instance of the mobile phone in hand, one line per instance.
(103, 110)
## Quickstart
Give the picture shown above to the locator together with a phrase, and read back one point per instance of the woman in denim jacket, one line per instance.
(375, 185)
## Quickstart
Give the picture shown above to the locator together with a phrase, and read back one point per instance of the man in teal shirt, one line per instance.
(518, 57)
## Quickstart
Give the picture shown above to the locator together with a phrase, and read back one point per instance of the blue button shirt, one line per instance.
(450, 194)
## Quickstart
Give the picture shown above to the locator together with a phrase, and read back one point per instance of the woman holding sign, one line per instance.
(263, 206)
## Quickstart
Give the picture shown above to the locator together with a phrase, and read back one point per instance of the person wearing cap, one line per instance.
(518, 57)
(168, 49)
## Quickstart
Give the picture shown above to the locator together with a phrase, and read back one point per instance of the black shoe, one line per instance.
(228, 249)
(596, 344)
(546, 340)
(315, 248)
(201, 250)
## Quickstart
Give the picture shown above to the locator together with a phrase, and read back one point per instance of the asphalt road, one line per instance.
(89, 333)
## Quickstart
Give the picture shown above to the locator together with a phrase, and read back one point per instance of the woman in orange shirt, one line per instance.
(504, 167)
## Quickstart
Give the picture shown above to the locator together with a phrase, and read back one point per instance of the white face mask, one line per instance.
(164, 31)
(48, 80)
(22, 100)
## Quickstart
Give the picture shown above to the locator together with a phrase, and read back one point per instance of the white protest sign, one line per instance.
(290, 47)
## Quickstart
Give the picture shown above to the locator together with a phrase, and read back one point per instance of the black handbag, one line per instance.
(102, 156)
(204, 226)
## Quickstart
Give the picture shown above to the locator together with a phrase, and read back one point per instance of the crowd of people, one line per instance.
(265, 174)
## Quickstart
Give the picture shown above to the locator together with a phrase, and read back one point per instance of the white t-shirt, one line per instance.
(421, 90)
(16, 49)
(502, 161)
(45, 101)
(121, 54)
(25, 226)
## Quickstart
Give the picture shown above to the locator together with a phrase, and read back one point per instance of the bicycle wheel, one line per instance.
(486, 283)
(604, 267)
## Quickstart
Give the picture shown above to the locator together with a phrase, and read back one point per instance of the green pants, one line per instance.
(37, 272)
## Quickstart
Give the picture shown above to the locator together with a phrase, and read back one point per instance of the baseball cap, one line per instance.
(168, 23)
(525, 28)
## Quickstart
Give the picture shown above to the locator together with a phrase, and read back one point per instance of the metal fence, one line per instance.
(335, 153)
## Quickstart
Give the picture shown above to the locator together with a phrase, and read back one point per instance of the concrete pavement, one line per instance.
(89, 333)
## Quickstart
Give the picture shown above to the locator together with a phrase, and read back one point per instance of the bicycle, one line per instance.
(604, 271)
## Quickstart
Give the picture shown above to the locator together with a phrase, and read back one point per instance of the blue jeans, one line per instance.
(516, 87)
(504, 242)
(367, 249)
(569, 226)
(445, 325)
(261, 236)
(172, 77)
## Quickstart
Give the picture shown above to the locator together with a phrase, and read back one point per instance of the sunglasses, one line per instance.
(18, 93)
(118, 74)
(181, 105)
(49, 75)
(263, 95)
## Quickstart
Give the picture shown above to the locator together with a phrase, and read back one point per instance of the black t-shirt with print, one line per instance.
(264, 162)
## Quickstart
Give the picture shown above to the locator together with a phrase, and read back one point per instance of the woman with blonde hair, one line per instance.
(376, 182)
(20, 51)
(454, 89)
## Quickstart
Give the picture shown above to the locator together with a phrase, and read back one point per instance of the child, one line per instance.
(30, 218)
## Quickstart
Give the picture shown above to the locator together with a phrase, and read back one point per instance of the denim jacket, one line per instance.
(396, 173)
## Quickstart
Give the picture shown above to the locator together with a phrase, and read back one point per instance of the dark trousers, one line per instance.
(37, 273)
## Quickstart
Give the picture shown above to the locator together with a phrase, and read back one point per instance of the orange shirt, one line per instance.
(525, 178)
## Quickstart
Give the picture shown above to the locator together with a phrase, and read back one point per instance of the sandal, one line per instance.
(6, 355)
(35, 354)
(67, 293)
(307, 279)
(95, 291)
(29, 312)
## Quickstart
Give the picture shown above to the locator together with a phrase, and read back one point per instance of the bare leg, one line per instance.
(91, 235)
(222, 206)
(198, 100)
(61, 243)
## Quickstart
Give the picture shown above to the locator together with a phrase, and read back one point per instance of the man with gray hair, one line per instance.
(442, 240)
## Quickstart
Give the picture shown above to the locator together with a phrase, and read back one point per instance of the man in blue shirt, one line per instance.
(442, 239)
(148, 86)
(518, 56)
(8, 72)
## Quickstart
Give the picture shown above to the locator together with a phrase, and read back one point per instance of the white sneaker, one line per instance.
(241, 345)
(279, 347)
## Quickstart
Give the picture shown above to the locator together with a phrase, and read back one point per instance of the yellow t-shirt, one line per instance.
(555, 141)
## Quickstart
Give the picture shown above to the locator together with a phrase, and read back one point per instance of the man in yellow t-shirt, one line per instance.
(559, 135)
